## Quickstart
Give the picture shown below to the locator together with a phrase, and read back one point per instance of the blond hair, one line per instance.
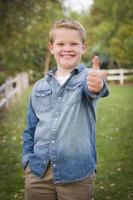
(68, 24)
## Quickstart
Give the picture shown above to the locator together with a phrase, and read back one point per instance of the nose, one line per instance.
(67, 48)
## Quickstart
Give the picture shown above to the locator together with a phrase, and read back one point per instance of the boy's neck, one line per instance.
(63, 72)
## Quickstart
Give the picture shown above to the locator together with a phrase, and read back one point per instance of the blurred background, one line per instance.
(24, 58)
(25, 26)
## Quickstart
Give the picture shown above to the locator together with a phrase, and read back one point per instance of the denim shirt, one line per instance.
(61, 125)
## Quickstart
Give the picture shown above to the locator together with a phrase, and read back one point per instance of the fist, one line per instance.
(95, 77)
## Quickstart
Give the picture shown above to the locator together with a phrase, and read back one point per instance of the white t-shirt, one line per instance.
(62, 79)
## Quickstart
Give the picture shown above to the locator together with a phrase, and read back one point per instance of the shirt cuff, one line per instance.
(104, 91)
(25, 160)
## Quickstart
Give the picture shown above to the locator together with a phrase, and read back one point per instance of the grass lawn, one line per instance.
(114, 147)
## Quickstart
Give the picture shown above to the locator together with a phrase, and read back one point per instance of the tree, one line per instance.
(109, 26)
(24, 33)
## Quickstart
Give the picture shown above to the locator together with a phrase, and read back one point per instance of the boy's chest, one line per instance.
(53, 95)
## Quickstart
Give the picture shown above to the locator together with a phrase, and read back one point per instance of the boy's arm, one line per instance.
(95, 85)
(28, 135)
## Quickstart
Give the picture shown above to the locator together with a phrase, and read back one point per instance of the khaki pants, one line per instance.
(45, 189)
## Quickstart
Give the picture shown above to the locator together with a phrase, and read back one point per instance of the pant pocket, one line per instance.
(27, 176)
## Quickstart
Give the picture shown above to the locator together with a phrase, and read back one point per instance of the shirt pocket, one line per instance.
(43, 100)
(74, 93)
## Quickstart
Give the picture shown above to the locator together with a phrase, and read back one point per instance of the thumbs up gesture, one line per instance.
(94, 78)
(95, 63)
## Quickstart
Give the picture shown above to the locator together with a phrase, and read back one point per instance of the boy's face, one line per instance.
(67, 48)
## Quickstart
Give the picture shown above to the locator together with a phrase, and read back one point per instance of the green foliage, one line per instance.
(121, 45)
(2, 78)
(25, 26)
(24, 33)
(109, 26)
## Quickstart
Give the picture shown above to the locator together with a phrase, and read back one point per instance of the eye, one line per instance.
(60, 44)
(74, 43)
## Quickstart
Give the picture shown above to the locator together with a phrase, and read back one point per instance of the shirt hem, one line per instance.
(75, 180)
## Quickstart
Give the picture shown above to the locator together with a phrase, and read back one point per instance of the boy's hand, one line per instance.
(94, 78)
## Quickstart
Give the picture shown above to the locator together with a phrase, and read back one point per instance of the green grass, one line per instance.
(114, 147)
(11, 127)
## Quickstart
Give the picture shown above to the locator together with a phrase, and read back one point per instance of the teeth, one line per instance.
(67, 56)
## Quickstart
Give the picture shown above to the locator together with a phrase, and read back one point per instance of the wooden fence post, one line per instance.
(7, 91)
(13, 88)
(121, 76)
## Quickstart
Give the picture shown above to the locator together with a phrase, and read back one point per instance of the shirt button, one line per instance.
(54, 165)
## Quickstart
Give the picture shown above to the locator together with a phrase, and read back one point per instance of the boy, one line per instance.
(59, 150)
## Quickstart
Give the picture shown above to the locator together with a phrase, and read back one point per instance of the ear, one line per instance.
(84, 47)
(50, 46)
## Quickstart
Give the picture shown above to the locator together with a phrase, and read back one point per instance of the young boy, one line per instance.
(59, 150)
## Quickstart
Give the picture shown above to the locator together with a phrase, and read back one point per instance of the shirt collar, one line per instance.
(79, 68)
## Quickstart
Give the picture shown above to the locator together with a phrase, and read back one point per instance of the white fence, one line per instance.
(118, 75)
(12, 88)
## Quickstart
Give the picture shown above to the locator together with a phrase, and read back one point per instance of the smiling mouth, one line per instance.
(67, 56)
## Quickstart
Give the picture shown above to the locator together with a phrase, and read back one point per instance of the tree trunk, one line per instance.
(47, 61)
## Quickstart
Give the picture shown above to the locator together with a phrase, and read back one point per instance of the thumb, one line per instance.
(95, 63)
